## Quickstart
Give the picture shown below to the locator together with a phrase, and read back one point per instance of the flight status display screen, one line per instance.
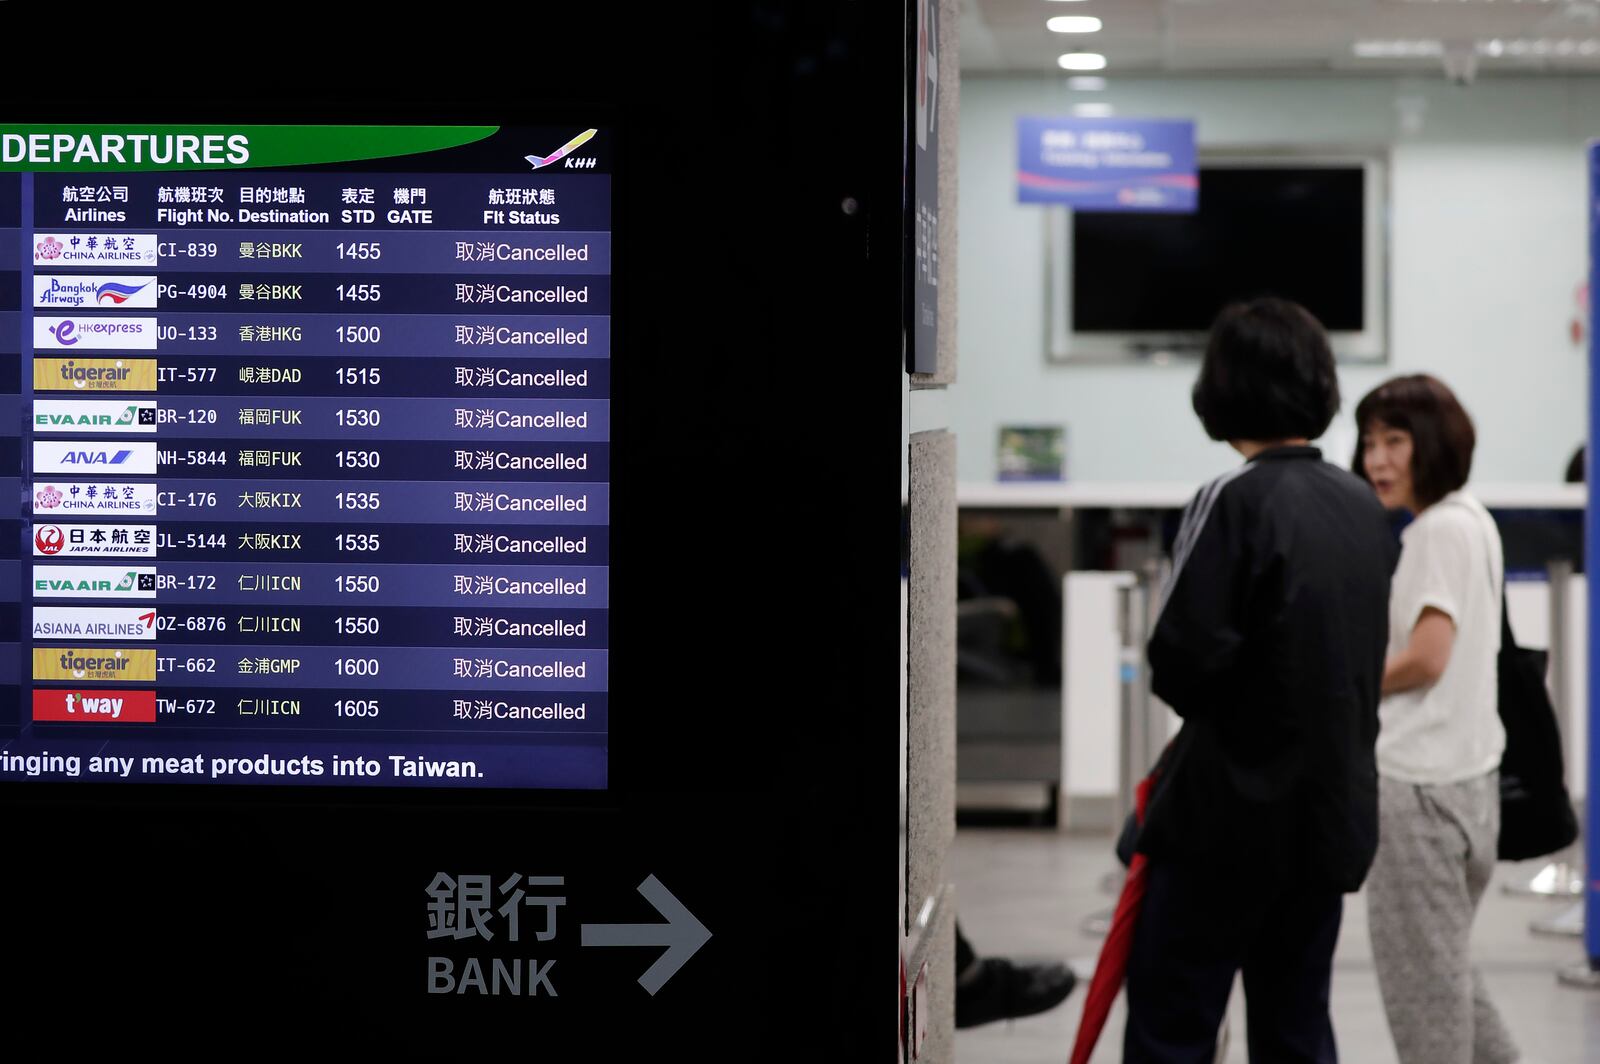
(304, 454)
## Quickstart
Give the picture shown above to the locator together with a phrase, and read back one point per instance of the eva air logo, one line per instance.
(136, 581)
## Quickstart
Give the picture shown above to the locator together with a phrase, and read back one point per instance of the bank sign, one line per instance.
(1108, 164)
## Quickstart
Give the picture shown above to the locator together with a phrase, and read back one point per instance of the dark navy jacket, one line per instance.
(1270, 645)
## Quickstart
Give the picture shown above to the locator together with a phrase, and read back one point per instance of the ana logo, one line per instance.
(138, 459)
(117, 294)
(47, 249)
(49, 539)
(47, 498)
(95, 457)
(65, 332)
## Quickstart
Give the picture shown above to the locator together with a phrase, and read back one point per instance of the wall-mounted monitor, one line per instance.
(1143, 285)
(306, 455)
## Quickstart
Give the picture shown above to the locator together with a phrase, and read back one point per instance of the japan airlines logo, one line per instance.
(117, 293)
(47, 249)
(541, 161)
(49, 540)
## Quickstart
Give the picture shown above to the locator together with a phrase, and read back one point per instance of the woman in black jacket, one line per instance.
(1270, 646)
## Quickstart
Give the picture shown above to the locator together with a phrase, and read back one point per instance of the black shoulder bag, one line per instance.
(1536, 815)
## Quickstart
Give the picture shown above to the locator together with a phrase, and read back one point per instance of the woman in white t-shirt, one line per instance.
(1440, 737)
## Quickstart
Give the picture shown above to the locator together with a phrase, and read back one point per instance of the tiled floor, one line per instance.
(1023, 893)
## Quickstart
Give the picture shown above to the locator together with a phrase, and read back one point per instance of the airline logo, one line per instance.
(100, 665)
(85, 249)
(69, 704)
(135, 457)
(70, 498)
(94, 374)
(76, 541)
(94, 581)
(123, 334)
(94, 415)
(121, 623)
(89, 291)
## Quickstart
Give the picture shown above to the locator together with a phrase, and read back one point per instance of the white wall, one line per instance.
(1487, 241)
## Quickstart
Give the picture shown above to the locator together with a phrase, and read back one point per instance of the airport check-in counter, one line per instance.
(1066, 754)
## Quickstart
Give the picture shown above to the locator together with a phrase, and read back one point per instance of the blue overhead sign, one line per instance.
(1108, 164)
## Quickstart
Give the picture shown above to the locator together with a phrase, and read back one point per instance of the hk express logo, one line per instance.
(66, 332)
(49, 539)
(47, 249)
(47, 499)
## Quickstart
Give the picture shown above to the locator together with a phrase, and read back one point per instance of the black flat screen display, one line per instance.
(1293, 232)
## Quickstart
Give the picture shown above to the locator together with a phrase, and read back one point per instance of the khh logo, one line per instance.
(541, 161)
(47, 249)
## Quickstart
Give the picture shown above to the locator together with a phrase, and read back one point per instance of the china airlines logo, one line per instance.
(48, 248)
(48, 499)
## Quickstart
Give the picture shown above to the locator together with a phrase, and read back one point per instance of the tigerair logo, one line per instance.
(101, 665)
(94, 374)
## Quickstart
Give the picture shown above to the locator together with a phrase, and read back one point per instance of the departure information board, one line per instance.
(304, 455)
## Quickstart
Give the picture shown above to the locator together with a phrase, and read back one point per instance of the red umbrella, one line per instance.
(1113, 963)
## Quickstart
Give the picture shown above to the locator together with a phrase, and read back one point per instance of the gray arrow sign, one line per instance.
(682, 934)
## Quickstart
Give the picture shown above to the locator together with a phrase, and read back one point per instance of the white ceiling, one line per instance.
(1286, 36)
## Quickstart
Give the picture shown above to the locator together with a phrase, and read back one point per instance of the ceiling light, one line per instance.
(1081, 61)
(1073, 24)
(1092, 110)
(1086, 83)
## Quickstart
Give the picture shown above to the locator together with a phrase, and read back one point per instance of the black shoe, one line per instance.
(1002, 991)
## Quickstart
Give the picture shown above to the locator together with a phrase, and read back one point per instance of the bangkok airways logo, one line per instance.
(47, 249)
(65, 332)
(47, 499)
(117, 294)
(49, 539)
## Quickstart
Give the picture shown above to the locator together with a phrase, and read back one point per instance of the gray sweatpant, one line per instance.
(1436, 852)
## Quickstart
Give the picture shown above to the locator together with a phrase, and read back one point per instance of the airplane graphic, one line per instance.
(562, 152)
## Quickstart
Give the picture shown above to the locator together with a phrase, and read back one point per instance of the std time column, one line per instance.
(12, 249)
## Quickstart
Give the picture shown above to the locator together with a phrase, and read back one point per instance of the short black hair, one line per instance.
(1268, 374)
(1442, 436)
